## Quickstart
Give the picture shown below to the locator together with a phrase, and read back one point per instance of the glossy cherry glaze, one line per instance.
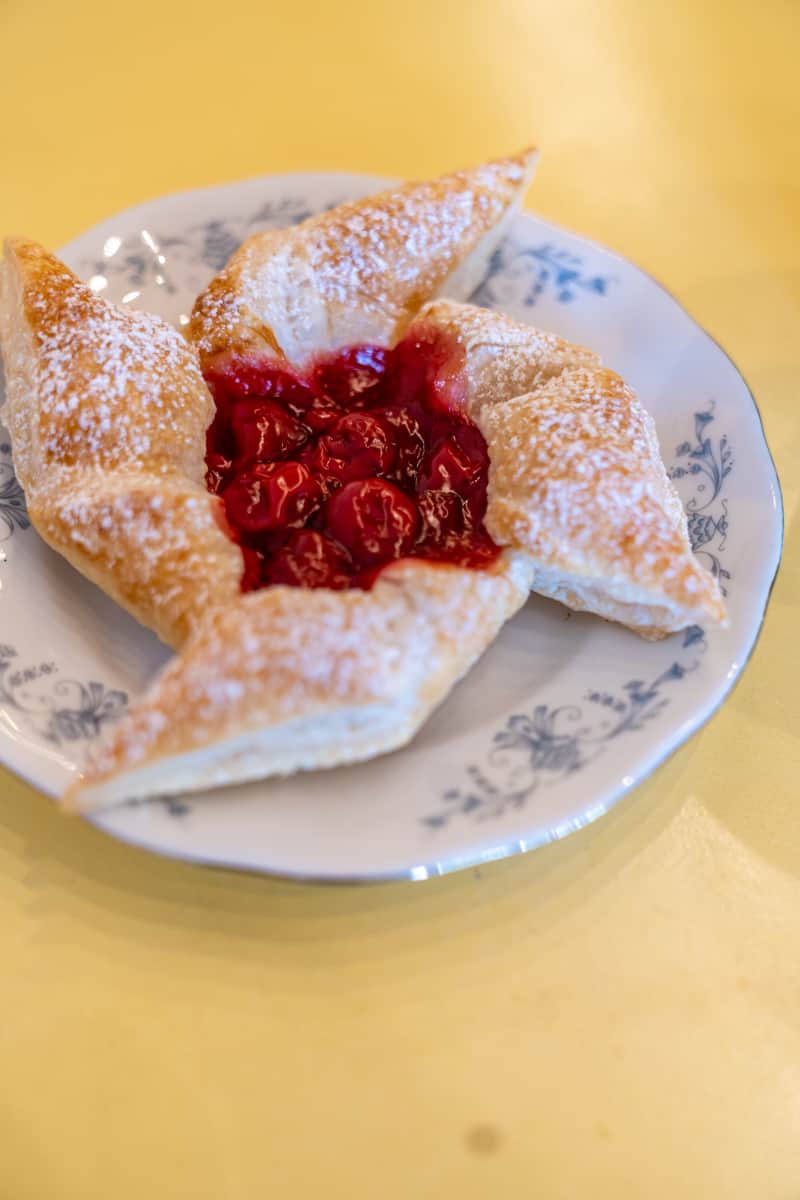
(368, 458)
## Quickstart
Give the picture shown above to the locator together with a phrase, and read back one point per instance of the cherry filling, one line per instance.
(328, 478)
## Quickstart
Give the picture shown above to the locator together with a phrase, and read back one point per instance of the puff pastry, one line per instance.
(108, 411)
(359, 273)
(576, 480)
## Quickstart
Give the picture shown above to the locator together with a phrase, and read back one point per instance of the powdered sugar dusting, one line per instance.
(575, 480)
(107, 410)
(356, 273)
(219, 320)
(401, 645)
(155, 542)
(500, 358)
(576, 477)
(113, 470)
(115, 386)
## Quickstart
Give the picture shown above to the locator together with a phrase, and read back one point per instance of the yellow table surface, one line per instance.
(615, 1016)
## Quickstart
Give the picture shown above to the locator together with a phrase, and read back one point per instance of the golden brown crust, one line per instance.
(291, 678)
(287, 679)
(576, 486)
(107, 412)
(358, 273)
(576, 479)
(498, 357)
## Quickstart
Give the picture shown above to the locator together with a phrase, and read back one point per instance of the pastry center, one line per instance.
(328, 477)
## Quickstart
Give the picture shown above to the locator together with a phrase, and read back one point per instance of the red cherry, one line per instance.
(270, 496)
(374, 520)
(304, 402)
(326, 483)
(237, 377)
(476, 501)
(479, 551)
(352, 377)
(426, 368)
(444, 516)
(458, 463)
(446, 381)
(253, 569)
(288, 388)
(340, 458)
(264, 429)
(357, 446)
(321, 414)
(407, 375)
(229, 377)
(309, 559)
(218, 438)
(218, 469)
(470, 550)
(406, 430)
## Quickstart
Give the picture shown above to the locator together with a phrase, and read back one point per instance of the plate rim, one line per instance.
(611, 798)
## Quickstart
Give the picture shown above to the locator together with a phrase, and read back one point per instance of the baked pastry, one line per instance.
(358, 274)
(395, 473)
(576, 480)
(107, 412)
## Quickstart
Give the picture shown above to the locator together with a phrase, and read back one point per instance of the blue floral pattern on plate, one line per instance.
(56, 709)
(710, 464)
(518, 275)
(530, 749)
(59, 710)
(162, 259)
(13, 513)
(552, 745)
(553, 741)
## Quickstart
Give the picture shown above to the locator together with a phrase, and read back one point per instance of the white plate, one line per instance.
(561, 717)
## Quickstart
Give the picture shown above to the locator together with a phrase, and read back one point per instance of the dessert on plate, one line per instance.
(331, 498)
